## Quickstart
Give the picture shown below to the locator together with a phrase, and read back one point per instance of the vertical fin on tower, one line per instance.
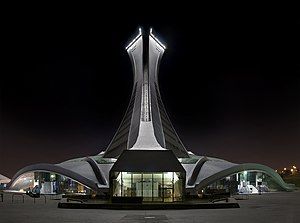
(146, 124)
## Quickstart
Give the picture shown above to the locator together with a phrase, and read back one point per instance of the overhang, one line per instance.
(147, 161)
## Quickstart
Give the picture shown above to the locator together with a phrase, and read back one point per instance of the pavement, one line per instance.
(283, 207)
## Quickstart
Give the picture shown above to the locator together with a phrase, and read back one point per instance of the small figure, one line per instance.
(35, 191)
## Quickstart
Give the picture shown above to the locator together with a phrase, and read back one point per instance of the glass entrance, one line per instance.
(153, 187)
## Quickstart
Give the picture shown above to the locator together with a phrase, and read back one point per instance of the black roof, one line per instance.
(147, 161)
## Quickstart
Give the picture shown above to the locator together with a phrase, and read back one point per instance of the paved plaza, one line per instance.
(283, 207)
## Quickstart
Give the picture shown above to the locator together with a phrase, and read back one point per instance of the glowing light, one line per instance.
(276, 171)
(152, 35)
(284, 168)
(119, 177)
(292, 170)
(135, 39)
(294, 167)
(169, 175)
(175, 177)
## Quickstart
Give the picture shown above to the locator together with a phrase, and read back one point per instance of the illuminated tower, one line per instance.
(146, 125)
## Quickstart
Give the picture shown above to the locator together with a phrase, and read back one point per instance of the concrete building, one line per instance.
(146, 157)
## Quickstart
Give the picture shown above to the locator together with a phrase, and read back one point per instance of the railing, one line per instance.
(23, 199)
(21, 195)
(41, 195)
(13, 197)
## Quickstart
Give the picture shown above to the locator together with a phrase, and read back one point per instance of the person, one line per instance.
(36, 191)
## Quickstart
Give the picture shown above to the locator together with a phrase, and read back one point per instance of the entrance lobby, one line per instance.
(152, 187)
(147, 176)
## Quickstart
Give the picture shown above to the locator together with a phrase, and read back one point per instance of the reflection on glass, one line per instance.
(51, 183)
(157, 187)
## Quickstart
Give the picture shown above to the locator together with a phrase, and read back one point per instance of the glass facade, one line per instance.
(153, 187)
(249, 182)
(52, 183)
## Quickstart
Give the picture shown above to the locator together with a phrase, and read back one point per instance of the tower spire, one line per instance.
(146, 124)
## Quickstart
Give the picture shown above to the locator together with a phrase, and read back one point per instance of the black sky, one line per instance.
(230, 83)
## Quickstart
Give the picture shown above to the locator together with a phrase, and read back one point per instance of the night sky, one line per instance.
(229, 81)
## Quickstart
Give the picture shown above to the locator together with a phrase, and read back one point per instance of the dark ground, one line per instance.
(269, 207)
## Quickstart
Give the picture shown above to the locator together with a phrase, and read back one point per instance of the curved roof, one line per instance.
(4, 179)
(199, 174)
(201, 183)
(86, 167)
(79, 177)
(196, 170)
